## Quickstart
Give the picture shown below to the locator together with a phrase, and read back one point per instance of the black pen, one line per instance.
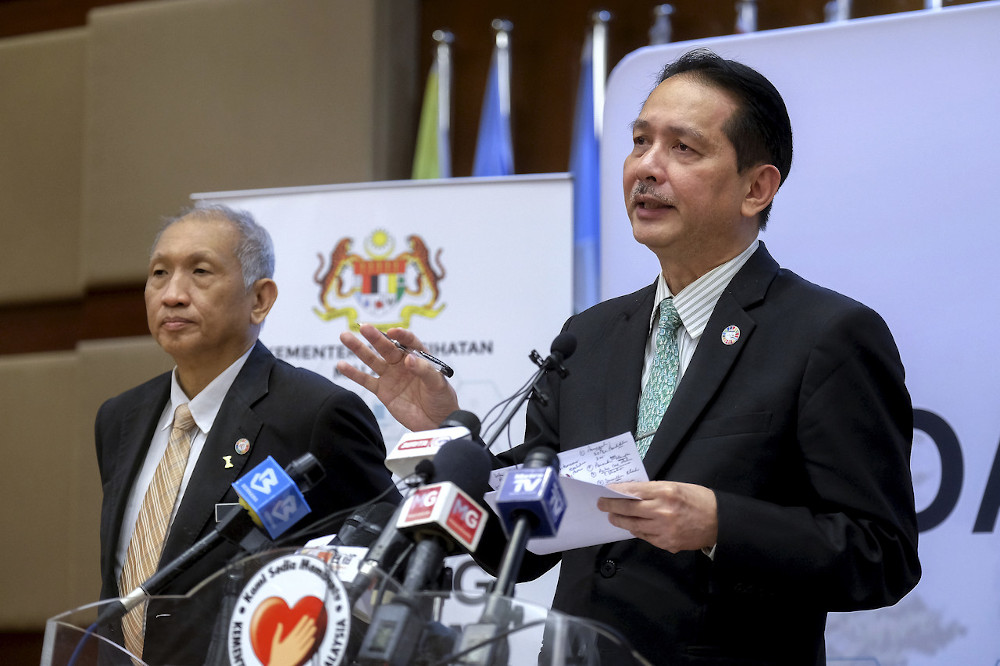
(441, 366)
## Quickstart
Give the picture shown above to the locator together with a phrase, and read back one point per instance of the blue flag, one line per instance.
(585, 167)
(494, 148)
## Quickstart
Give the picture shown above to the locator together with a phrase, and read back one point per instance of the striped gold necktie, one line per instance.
(151, 525)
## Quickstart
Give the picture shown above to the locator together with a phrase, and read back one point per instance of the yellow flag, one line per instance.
(426, 162)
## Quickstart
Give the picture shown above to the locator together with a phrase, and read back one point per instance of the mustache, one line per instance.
(642, 188)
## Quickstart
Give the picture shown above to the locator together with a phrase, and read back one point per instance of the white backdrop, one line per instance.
(891, 200)
(506, 256)
(502, 247)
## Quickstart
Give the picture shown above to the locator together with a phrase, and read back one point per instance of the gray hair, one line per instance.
(254, 250)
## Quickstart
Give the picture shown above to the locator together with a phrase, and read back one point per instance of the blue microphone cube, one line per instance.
(535, 491)
(272, 496)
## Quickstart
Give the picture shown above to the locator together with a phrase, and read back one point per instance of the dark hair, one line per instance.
(759, 129)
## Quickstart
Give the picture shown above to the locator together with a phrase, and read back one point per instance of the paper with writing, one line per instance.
(583, 473)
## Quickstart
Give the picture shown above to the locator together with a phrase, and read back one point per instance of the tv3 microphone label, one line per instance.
(264, 482)
(527, 483)
(284, 509)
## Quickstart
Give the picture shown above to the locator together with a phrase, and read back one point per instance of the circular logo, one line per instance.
(730, 335)
(293, 610)
(242, 446)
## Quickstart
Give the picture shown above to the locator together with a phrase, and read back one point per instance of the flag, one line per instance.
(746, 16)
(585, 167)
(426, 161)
(432, 156)
(494, 147)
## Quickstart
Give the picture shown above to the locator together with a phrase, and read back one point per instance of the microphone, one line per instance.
(561, 349)
(417, 446)
(445, 513)
(391, 543)
(530, 503)
(273, 499)
(443, 519)
(364, 527)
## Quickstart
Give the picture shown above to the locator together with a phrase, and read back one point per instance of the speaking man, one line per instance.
(771, 413)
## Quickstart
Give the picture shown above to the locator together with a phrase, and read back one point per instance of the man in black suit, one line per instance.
(208, 291)
(780, 483)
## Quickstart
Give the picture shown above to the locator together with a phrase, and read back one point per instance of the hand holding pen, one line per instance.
(441, 366)
(416, 393)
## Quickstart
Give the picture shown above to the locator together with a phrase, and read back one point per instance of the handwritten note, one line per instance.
(585, 471)
(609, 461)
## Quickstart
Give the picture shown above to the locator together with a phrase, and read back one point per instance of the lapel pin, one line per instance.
(242, 446)
(229, 461)
(730, 335)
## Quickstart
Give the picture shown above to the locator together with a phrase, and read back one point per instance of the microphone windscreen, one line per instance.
(463, 419)
(306, 471)
(363, 528)
(542, 456)
(464, 463)
(564, 345)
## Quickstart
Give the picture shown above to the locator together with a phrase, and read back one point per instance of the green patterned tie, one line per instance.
(663, 377)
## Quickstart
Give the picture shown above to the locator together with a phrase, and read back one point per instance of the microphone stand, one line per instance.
(546, 365)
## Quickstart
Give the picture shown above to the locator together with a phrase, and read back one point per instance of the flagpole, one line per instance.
(838, 10)
(503, 28)
(746, 16)
(444, 40)
(599, 44)
(661, 31)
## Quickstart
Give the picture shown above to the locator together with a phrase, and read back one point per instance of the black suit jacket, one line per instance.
(802, 428)
(284, 412)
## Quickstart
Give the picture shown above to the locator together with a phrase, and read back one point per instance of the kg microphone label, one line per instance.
(465, 520)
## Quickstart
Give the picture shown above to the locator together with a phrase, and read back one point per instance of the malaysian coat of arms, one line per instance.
(380, 288)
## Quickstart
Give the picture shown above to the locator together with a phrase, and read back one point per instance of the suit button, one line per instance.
(608, 568)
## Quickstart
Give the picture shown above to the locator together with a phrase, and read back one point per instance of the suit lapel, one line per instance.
(712, 360)
(629, 330)
(212, 477)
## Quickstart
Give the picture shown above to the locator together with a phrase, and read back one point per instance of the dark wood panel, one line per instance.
(22, 17)
(59, 325)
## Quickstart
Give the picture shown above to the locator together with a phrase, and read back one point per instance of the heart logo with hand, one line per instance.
(283, 636)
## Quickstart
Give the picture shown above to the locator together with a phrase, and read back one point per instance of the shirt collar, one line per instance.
(205, 406)
(696, 301)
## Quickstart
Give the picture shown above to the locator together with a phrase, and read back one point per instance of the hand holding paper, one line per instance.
(584, 472)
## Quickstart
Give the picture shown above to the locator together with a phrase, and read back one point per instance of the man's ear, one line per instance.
(265, 293)
(762, 184)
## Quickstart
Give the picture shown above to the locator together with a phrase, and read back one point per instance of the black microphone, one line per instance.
(364, 527)
(561, 349)
(530, 503)
(444, 519)
(463, 419)
(385, 552)
(239, 527)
